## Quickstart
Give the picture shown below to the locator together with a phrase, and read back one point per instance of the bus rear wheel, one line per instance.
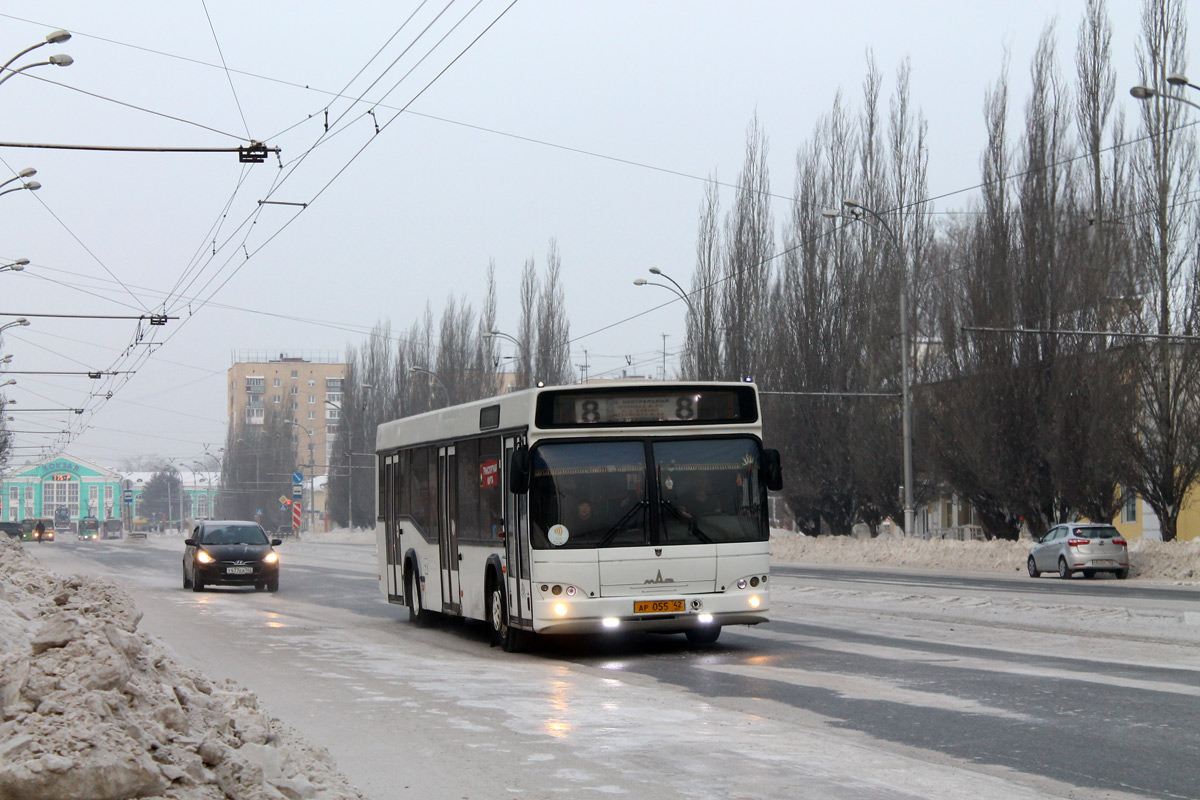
(417, 613)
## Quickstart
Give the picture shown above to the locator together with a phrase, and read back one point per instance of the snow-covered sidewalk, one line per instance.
(90, 708)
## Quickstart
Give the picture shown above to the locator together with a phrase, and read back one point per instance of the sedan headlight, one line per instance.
(204, 558)
(271, 558)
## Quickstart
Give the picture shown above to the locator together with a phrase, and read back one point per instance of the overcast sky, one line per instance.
(591, 122)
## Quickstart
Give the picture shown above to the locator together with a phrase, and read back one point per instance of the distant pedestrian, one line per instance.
(39, 530)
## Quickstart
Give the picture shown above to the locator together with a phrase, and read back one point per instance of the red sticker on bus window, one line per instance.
(489, 473)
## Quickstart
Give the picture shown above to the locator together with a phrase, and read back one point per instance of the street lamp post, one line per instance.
(18, 323)
(676, 290)
(366, 387)
(350, 465)
(433, 375)
(312, 494)
(495, 334)
(58, 60)
(857, 212)
(15, 266)
(1178, 79)
(32, 186)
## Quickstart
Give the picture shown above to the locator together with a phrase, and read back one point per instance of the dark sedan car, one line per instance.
(230, 553)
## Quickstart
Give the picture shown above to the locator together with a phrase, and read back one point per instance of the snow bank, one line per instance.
(1149, 560)
(92, 710)
(1163, 561)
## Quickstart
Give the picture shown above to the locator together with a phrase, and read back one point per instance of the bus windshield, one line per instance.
(598, 493)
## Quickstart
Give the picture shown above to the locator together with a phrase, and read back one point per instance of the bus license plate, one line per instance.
(658, 606)
(238, 570)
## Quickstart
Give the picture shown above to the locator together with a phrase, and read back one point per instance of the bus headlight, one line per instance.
(741, 584)
(203, 557)
(704, 619)
(560, 609)
(754, 601)
(610, 622)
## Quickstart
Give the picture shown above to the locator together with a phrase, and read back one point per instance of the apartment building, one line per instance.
(296, 384)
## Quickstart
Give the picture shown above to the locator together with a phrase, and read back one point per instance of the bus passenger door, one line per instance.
(389, 502)
(447, 507)
(516, 544)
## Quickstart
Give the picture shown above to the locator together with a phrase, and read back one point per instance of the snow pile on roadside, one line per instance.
(1164, 561)
(91, 709)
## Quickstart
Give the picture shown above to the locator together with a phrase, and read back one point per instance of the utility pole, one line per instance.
(584, 366)
(664, 357)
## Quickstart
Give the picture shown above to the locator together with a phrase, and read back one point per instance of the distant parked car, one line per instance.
(13, 529)
(230, 553)
(1087, 547)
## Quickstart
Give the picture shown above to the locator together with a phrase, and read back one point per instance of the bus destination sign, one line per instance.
(646, 406)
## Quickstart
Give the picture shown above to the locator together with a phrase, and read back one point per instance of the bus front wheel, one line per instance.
(511, 639)
(706, 635)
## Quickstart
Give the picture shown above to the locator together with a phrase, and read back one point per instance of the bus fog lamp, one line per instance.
(560, 609)
(755, 602)
(704, 619)
(610, 622)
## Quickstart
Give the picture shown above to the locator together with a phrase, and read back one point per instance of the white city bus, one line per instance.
(629, 506)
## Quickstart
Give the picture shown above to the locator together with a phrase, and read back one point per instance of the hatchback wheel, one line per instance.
(1064, 571)
(1031, 565)
(1122, 574)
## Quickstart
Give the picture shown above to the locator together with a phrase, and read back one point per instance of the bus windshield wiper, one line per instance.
(687, 520)
(619, 525)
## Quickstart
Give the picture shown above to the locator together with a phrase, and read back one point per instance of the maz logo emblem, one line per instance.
(660, 579)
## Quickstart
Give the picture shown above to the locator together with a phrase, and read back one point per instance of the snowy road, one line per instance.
(871, 685)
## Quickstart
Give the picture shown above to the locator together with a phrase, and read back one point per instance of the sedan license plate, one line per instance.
(658, 606)
(1104, 562)
(239, 570)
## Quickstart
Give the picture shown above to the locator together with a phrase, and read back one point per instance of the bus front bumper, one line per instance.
(665, 613)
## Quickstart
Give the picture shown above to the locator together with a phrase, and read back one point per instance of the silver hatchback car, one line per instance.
(1087, 547)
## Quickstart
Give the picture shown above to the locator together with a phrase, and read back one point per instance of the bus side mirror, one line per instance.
(518, 470)
(772, 471)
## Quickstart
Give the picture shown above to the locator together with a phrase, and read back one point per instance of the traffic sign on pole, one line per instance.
(297, 477)
(296, 517)
(129, 495)
(297, 492)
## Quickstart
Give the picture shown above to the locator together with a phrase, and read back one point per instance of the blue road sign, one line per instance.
(297, 477)
(129, 495)
(297, 491)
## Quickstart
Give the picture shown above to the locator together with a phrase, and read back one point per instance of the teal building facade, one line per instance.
(85, 489)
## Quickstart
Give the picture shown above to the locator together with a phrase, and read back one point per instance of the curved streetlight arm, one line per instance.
(672, 290)
(435, 376)
(1146, 92)
(685, 295)
(501, 335)
(31, 186)
(60, 60)
(54, 37)
(28, 172)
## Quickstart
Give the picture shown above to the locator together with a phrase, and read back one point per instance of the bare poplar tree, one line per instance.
(701, 357)
(527, 329)
(486, 361)
(457, 337)
(749, 245)
(1165, 228)
(552, 363)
